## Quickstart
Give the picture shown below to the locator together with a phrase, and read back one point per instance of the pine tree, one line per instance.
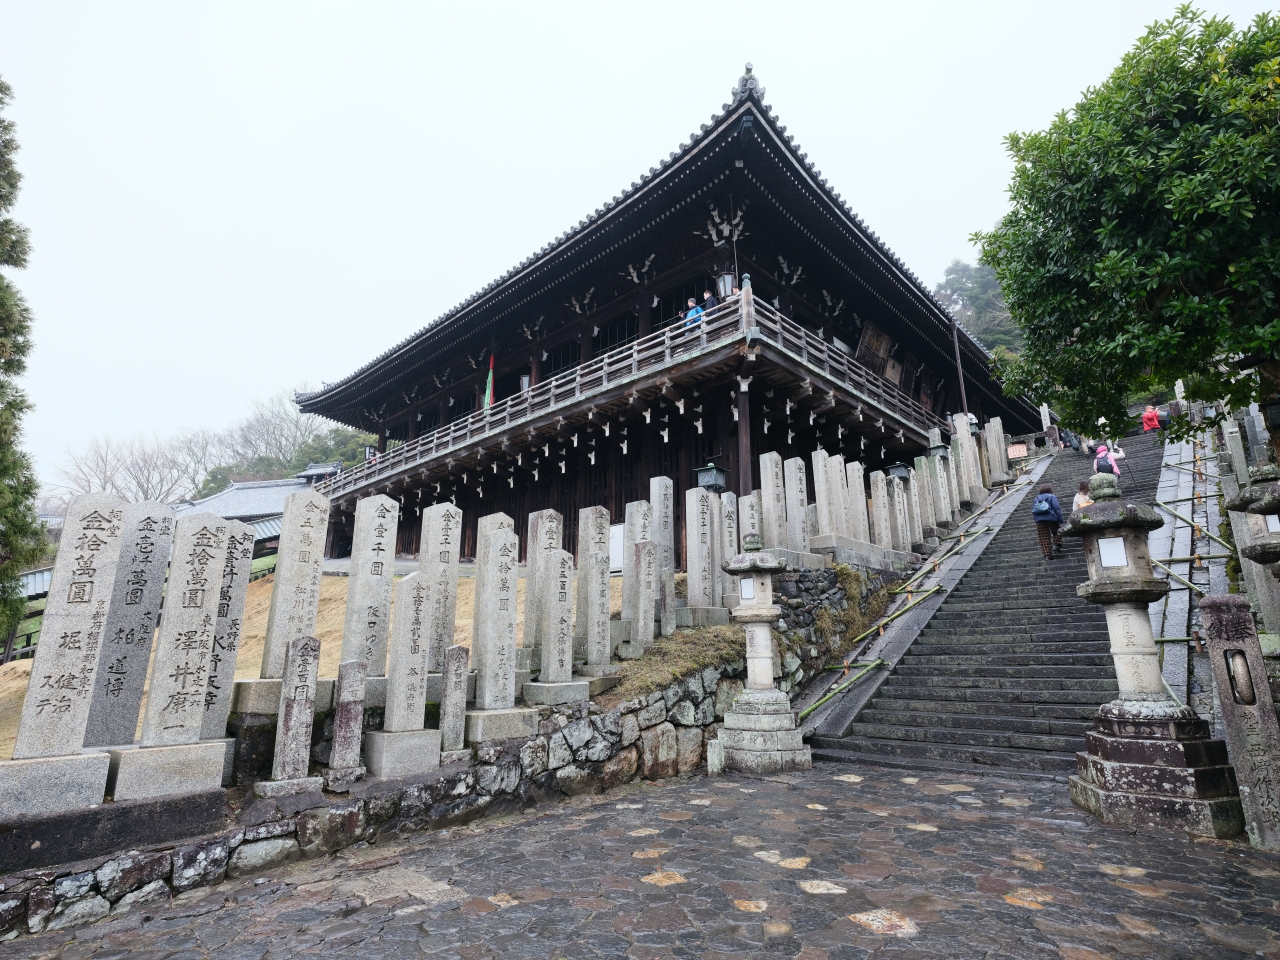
(22, 540)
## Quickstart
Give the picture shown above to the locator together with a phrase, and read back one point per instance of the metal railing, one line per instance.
(641, 359)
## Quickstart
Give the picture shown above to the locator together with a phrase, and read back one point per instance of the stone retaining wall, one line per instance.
(579, 749)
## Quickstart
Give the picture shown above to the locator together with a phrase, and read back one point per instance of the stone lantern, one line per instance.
(1149, 759)
(759, 733)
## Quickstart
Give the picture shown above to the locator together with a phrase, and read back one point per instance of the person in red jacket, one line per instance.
(1150, 419)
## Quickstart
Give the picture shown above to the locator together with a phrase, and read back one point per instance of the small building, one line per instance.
(260, 503)
(821, 338)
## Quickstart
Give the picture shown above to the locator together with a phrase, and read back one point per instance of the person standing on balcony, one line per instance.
(708, 300)
(694, 315)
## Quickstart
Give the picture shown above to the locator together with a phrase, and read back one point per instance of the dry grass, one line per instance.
(674, 657)
(333, 606)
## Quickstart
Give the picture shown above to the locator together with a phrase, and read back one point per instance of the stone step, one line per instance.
(836, 752)
(1102, 684)
(1028, 634)
(1047, 743)
(1051, 709)
(1055, 726)
(946, 616)
(993, 602)
(1090, 692)
(932, 659)
(949, 671)
(940, 646)
(954, 756)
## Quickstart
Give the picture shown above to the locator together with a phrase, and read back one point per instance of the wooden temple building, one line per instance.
(600, 384)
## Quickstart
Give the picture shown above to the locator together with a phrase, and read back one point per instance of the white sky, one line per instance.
(227, 198)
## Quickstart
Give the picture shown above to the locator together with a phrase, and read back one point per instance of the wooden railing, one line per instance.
(640, 359)
(839, 366)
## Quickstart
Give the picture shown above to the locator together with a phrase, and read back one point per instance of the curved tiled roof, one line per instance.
(747, 88)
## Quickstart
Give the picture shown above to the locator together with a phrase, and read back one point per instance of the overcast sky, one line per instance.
(225, 199)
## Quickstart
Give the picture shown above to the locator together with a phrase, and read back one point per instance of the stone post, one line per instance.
(717, 549)
(220, 686)
(923, 491)
(1150, 759)
(555, 682)
(899, 531)
(546, 533)
(915, 521)
(486, 525)
(759, 733)
(1235, 449)
(294, 720)
(797, 491)
(728, 547)
(957, 475)
(453, 706)
(295, 594)
(371, 570)
(438, 564)
(496, 717)
(348, 725)
(171, 758)
(702, 578)
(997, 451)
(591, 632)
(663, 534)
(881, 531)
(641, 561)
(860, 526)
(1248, 714)
(132, 614)
(637, 525)
(822, 493)
(940, 490)
(749, 519)
(773, 502)
(838, 491)
(1246, 513)
(48, 772)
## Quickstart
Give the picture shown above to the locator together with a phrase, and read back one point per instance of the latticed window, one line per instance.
(561, 358)
(616, 333)
(462, 405)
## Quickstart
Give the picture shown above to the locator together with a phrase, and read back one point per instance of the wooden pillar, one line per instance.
(744, 437)
(382, 439)
(645, 325)
(535, 366)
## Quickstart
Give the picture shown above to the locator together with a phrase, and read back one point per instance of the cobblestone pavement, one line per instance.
(843, 862)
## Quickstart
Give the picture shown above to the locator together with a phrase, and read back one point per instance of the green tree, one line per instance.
(1141, 246)
(22, 540)
(973, 295)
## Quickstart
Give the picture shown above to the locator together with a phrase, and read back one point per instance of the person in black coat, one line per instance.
(1047, 514)
(708, 301)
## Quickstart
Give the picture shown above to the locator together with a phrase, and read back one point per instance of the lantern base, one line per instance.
(1153, 764)
(760, 736)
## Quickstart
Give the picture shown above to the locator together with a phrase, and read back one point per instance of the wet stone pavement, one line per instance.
(842, 862)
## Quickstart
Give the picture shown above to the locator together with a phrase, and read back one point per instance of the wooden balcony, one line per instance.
(731, 328)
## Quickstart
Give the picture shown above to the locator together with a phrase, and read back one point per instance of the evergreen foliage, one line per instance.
(972, 294)
(22, 540)
(1142, 242)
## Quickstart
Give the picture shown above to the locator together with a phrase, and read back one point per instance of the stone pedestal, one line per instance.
(760, 736)
(550, 694)
(138, 773)
(49, 785)
(405, 754)
(485, 725)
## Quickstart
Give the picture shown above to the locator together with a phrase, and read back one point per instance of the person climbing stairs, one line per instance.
(1012, 666)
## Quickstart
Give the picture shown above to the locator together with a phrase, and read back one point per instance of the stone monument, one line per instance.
(496, 716)
(453, 706)
(593, 558)
(294, 720)
(48, 771)
(403, 747)
(132, 614)
(663, 533)
(220, 687)
(295, 595)
(348, 726)
(773, 502)
(546, 533)
(641, 562)
(555, 683)
(171, 758)
(370, 572)
(702, 578)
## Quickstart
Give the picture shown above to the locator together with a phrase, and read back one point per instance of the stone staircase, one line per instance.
(1011, 668)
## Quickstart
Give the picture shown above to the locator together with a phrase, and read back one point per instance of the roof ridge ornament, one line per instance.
(748, 83)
